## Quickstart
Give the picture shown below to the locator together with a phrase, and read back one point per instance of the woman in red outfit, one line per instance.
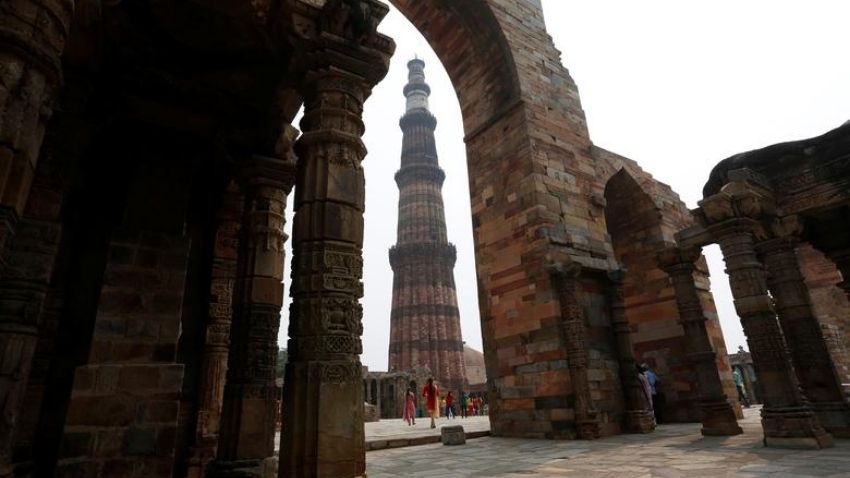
(432, 398)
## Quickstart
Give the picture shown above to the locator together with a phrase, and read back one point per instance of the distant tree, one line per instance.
(282, 357)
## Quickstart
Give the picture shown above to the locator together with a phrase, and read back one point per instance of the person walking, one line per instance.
(450, 402)
(646, 388)
(409, 413)
(464, 400)
(739, 384)
(652, 378)
(432, 400)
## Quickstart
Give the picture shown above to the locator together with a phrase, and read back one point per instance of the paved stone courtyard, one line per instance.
(673, 451)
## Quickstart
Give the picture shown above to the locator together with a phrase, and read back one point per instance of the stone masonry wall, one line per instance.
(122, 416)
(830, 306)
(536, 187)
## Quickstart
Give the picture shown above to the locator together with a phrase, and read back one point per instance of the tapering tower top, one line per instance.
(416, 90)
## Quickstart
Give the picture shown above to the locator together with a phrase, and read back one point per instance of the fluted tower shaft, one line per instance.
(425, 321)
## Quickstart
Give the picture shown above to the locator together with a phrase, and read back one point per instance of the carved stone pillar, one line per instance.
(214, 367)
(639, 417)
(23, 289)
(787, 418)
(323, 432)
(246, 440)
(574, 335)
(718, 415)
(815, 368)
(32, 38)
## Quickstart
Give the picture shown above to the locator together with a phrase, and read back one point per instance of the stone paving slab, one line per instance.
(672, 451)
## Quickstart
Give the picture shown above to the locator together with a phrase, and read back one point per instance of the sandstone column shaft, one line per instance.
(718, 416)
(323, 397)
(639, 417)
(787, 418)
(574, 335)
(815, 369)
(217, 346)
(32, 39)
(249, 410)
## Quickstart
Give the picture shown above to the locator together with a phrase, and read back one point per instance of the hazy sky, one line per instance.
(676, 86)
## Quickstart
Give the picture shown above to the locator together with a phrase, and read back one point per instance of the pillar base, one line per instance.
(719, 419)
(794, 427)
(640, 421)
(243, 469)
(834, 417)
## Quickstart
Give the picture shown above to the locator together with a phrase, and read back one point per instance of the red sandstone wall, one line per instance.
(830, 305)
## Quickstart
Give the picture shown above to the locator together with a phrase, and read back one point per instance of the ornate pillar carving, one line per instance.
(217, 346)
(323, 409)
(718, 415)
(815, 368)
(31, 256)
(248, 417)
(574, 334)
(787, 418)
(639, 417)
(32, 38)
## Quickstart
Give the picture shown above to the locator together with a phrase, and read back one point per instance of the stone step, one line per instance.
(372, 445)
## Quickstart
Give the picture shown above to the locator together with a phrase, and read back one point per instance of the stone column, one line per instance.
(574, 335)
(246, 440)
(718, 415)
(787, 418)
(323, 399)
(323, 432)
(815, 369)
(639, 417)
(32, 38)
(31, 44)
(217, 346)
(31, 257)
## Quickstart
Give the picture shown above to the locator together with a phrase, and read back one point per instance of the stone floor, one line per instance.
(672, 451)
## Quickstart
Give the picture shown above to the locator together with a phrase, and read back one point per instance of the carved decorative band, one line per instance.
(436, 345)
(420, 172)
(323, 345)
(424, 309)
(417, 252)
(418, 117)
(417, 87)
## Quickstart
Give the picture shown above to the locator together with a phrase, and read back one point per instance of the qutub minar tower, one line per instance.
(425, 322)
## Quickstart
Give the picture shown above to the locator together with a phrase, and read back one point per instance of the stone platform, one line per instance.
(396, 434)
(673, 451)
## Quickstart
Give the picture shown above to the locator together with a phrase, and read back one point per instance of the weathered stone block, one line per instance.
(453, 435)
(139, 441)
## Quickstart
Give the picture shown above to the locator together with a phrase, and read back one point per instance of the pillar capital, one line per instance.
(340, 37)
(675, 259)
(260, 171)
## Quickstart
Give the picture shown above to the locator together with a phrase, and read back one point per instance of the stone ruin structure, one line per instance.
(146, 156)
(425, 319)
(780, 217)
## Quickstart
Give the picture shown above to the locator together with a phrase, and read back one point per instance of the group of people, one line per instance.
(469, 404)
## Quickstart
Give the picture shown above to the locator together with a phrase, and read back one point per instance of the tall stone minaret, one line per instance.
(425, 322)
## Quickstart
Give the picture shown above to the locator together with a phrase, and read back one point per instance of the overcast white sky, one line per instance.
(677, 86)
